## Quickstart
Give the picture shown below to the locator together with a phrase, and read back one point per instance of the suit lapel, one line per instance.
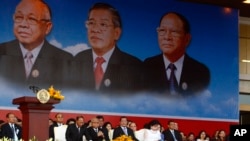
(113, 69)
(15, 58)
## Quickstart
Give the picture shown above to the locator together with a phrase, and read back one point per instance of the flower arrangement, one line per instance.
(123, 138)
(56, 94)
(32, 139)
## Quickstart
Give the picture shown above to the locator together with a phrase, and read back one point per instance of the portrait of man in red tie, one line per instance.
(105, 67)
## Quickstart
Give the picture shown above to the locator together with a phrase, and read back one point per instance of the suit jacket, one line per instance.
(105, 132)
(73, 133)
(123, 72)
(119, 132)
(168, 136)
(52, 64)
(6, 131)
(91, 134)
(195, 76)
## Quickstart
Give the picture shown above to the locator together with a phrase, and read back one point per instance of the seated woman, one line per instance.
(202, 136)
(153, 132)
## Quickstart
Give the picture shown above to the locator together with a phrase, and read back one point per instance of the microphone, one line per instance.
(35, 89)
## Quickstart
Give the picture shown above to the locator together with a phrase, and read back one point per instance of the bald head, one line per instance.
(95, 122)
(32, 23)
(38, 6)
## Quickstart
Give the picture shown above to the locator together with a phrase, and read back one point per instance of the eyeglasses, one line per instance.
(174, 33)
(29, 19)
(90, 24)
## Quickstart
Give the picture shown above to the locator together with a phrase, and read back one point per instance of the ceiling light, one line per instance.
(246, 1)
(245, 61)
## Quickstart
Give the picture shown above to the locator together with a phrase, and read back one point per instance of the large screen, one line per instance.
(213, 45)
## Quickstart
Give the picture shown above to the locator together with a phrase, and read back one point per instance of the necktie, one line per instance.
(96, 130)
(28, 63)
(98, 71)
(125, 130)
(14, 132)
(174, 135)
(13, 129)
(173, 85)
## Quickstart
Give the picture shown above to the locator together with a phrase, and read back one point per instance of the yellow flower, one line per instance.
(51, 91)
(56, 94)
(123, 138)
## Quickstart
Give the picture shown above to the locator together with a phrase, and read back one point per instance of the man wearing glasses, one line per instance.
(105, 67)
(173, 72)
(30, 59)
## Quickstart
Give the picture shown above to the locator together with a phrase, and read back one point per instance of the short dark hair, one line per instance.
(106, 123)
(100, 117)
(154, 122)
(8, 114)
(78, 117)
(69, 120)
(184, 20)
(116, 18)
(58, 114)
(123, 117)
(170, 121)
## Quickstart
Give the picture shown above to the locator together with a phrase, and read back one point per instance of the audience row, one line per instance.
(77, 129)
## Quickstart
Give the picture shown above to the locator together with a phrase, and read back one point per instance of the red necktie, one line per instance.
(98, 71)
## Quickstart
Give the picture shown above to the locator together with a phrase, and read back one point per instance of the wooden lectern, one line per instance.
(35, 117)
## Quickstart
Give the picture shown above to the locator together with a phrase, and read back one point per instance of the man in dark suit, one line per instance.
(174, 71)
(105, 67)
(94, 132)
(30, 59)
(104, 129)
(123, 129)
(10, 129)
(75, 132)
(171, 134)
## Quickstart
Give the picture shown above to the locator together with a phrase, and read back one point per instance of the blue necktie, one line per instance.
(13, 129)
(174, 135)
(173, 85)
(125, 130)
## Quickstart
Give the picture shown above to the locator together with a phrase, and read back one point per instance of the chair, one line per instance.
(59, 133)
(84, 138)
(139, 134)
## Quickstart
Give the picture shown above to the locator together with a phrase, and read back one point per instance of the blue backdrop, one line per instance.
(214, 42)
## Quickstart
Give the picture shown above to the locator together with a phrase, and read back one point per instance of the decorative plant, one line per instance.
(56, 94)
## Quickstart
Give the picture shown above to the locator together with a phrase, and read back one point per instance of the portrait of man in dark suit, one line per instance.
(105, 67)
(173, 71)
(30, 59)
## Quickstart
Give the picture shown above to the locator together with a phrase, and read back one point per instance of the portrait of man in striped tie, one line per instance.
(174, 72)
(34, 59)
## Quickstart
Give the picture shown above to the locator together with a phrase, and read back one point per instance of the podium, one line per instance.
(35, 117)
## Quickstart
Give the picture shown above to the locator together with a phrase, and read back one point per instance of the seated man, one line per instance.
(94, 132)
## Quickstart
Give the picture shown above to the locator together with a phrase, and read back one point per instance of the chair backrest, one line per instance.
(111, 132)
(59, 133)
(84, 138)
(139, 134)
